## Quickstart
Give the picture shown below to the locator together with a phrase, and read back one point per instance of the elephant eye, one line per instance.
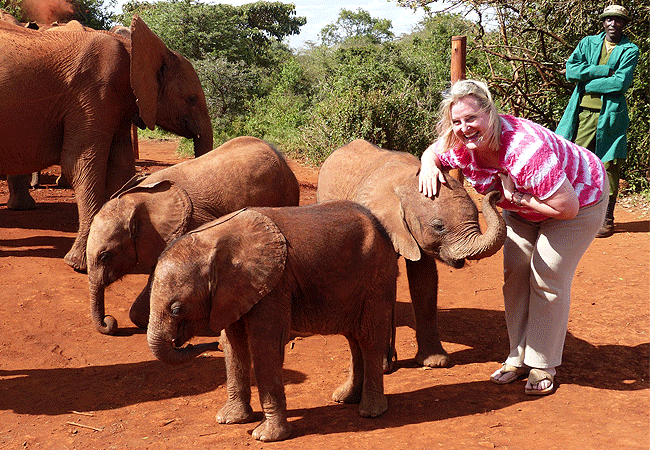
(105, 257)
(192, 99)
(438, 226)
(176, 309)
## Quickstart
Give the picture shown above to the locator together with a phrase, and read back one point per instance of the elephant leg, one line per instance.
(351, 390)
(238, 369)
(87, 174)
(373, 400)
(139, 312)
(19, 196)
(423, 286)
(121, 160)
(268, 358)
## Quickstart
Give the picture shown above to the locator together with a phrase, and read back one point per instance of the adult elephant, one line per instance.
(134, 227)
(69, 98)
(422, 229)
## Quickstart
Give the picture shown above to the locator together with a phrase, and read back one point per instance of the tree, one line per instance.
(251, 33)
(91, 13)
(525, 46)
(356, 26)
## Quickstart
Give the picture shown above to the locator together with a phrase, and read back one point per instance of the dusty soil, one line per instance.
(64, 386)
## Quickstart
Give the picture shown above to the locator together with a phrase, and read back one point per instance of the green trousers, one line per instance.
(586, 137)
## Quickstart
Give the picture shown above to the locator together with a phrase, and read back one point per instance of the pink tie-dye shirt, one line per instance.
(537, 160)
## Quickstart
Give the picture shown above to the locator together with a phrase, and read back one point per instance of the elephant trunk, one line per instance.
(203, 142)
(164, 349)
(103, 323)
(488, 243)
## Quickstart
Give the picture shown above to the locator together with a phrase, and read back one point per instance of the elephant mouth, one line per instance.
(455, 263)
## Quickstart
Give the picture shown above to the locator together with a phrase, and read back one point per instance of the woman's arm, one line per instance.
(563, 204)
(430, 172)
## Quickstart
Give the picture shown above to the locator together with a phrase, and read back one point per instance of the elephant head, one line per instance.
(209, 278)
(167, 88)
(446, 227)
(132, 228)
(386, 182)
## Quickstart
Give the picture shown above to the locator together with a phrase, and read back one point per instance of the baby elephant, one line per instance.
(258, 273)
(135, 226)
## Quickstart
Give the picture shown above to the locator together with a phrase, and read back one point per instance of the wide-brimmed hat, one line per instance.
(615, 11)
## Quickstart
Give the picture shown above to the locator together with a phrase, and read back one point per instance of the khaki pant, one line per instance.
(586, 137)
(539, 261)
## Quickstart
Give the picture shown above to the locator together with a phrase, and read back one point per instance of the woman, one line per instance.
(554, 201)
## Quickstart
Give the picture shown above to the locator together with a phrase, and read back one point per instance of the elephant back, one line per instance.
(242, 172)
(348, 169)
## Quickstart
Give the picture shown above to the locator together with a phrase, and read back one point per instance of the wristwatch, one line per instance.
(517, 197)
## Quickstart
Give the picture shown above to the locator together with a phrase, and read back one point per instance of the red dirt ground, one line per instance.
(64, 386)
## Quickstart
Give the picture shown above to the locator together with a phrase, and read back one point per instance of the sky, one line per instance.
(323, 12)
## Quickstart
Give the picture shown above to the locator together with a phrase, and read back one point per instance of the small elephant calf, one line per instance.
(135, 226)
(258, 273)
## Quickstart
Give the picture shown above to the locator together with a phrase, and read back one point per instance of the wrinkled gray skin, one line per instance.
(134, 227)
(19, 196)
(422, 229)
(69, 98)
(256, 274)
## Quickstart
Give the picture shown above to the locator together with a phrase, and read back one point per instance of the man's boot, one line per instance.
(608, 224)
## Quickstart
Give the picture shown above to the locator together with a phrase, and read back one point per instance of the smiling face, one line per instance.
(471, 124)
(613, 27)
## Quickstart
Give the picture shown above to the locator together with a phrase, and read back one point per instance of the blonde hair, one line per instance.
(459, 90)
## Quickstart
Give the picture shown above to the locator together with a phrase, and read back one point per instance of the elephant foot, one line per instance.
(373, 405)
(272, 429)
(21, 205)
(19, 196)
(235, 412)
(439, 359)
(347, 393)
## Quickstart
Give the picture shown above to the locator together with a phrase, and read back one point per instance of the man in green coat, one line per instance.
(596, 116)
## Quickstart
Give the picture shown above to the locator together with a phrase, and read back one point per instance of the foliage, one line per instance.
(278, 116)
(228, 87)
(356, 27)
(526, 44)
(91, 13)
(385, 93)
(249, 33)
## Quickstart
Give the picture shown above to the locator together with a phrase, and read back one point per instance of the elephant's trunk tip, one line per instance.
(107, 326)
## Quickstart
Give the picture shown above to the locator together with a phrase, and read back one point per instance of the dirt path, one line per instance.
(64, 386)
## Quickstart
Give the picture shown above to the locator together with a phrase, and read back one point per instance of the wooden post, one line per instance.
(134, 141)
(458, 59)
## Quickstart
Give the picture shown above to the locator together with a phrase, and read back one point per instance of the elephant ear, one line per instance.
(167, 206)
(380, 196)
(249, 260)
(134, 181)
(148, 53)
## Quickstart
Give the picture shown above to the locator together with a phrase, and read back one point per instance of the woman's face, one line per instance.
(470, 124)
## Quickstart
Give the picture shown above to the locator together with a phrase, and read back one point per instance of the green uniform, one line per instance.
(582, 67)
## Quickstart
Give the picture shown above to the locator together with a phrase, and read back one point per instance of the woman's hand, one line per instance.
(430, 172)
(508, 185)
